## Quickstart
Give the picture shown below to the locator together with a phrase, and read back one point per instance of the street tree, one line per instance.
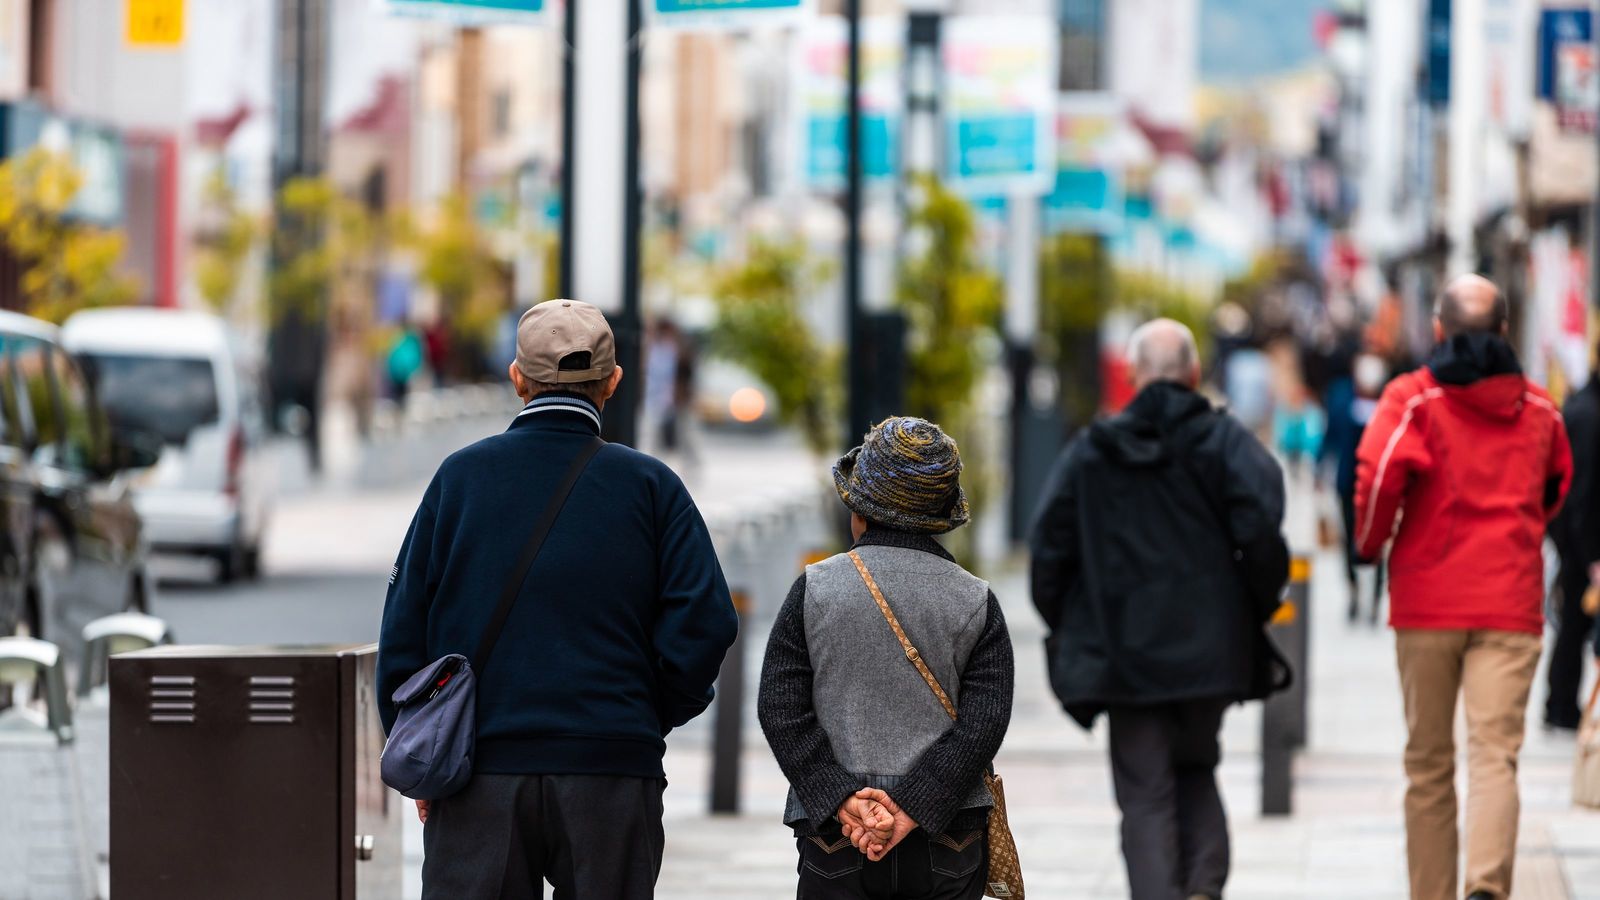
(761, 326)
(67, 263)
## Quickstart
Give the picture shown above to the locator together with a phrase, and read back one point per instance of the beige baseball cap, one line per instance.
(556, 329)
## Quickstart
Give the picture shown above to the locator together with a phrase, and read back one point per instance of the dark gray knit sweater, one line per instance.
(941, 786)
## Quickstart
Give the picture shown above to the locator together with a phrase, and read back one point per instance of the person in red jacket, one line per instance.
(1463, 466)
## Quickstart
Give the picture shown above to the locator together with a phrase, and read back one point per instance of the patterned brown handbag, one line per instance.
(1004, 880)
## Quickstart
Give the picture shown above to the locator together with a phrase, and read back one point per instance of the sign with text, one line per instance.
(822, 68)
(472, 12)
(999, 104)
(728, 14)
(1577, 92)
(1087, 195)
(155, 23)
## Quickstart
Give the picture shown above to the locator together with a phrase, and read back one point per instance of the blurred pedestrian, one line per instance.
(1157, 558)
(852, 722)
(402, 363)
(669, 387)
(1464, 464)
(1576, 533)
(1351, 401)
(615, 636)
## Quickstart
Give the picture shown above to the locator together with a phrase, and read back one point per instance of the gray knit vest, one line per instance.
(880, 716)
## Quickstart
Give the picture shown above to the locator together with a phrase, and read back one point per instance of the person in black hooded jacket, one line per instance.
(1157, 558)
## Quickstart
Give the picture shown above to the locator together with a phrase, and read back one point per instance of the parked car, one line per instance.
(71, 544)
(728, 396)
(186, 377)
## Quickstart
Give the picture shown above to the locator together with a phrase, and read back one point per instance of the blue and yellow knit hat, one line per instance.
(906, 475)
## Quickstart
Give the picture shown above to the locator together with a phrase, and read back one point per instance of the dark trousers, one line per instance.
(920, 867)
(590, 836)
(1163, 767)
(1347, 506)
(1566, 655)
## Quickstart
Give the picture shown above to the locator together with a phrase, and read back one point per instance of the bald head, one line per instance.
(1469, 304)
(1163, 350)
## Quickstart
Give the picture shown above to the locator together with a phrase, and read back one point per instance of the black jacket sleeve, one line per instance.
(696, 623)
(1254, 498)
(937, 785)
(1053, 543)
(789, 718)
(403, 636)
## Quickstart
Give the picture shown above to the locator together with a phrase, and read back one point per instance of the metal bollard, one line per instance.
(727, 730)
(24, 660)
(109, 635)
(1284, 715)
(727, 734)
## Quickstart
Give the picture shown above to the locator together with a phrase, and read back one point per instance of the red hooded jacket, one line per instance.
(1464, 464)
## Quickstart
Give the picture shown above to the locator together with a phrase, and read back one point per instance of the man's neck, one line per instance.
(599, 405)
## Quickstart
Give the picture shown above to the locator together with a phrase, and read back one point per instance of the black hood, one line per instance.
(1470, 358)
(1141, 435)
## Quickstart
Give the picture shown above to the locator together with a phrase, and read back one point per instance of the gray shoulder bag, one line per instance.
(429, 752)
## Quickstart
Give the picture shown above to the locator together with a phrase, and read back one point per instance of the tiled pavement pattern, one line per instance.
(45, 839)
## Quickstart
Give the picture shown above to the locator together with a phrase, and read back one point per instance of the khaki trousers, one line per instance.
(1492, 671)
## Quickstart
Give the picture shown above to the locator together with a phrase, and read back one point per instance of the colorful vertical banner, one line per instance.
(155, 24)
(999, 104)
(1567, 75)
(1508, 36)
(821, 71)
(1087, 195)
(472, 12)
(727, 14)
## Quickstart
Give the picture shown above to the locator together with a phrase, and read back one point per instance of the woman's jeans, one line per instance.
(920, 867)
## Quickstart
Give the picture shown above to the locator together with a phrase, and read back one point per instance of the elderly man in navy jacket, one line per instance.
(615, 639)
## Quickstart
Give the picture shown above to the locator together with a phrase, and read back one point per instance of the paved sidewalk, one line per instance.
(1345, 839)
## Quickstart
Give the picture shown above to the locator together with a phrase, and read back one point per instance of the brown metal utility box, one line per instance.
(250, 772)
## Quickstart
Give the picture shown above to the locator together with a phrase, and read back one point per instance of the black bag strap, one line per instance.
(530, 552)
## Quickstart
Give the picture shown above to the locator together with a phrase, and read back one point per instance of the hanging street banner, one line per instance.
(1509, 29)
(1577, 93)
(727, 14)
(1566, 70)
(999, 104)
(472, 12)
(1087, 195)
(821, 69)
(155, 24)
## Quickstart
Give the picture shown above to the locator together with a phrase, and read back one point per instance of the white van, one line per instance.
(184, 375)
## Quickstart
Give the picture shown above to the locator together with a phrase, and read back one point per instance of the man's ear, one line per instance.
(616, 379)
(518, 383)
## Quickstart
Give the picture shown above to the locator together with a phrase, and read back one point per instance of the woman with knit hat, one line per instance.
(887, 798)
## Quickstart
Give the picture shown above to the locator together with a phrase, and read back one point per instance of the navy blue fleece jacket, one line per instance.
(622, 622)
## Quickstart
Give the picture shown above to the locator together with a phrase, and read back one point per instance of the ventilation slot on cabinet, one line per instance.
(272, 699)
(172, 699)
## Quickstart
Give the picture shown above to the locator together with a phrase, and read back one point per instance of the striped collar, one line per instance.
(562, 402)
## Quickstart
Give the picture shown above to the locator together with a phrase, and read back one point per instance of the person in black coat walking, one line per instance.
(1576, 533)
(1157, 558)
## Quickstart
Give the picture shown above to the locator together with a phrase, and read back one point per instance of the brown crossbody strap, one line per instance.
(905, 642)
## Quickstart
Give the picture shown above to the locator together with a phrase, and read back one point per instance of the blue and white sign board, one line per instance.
(1560, 28)
(727, 14)
(1000, 104)
(821, 67)
(1087, 195)
(473, 12)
